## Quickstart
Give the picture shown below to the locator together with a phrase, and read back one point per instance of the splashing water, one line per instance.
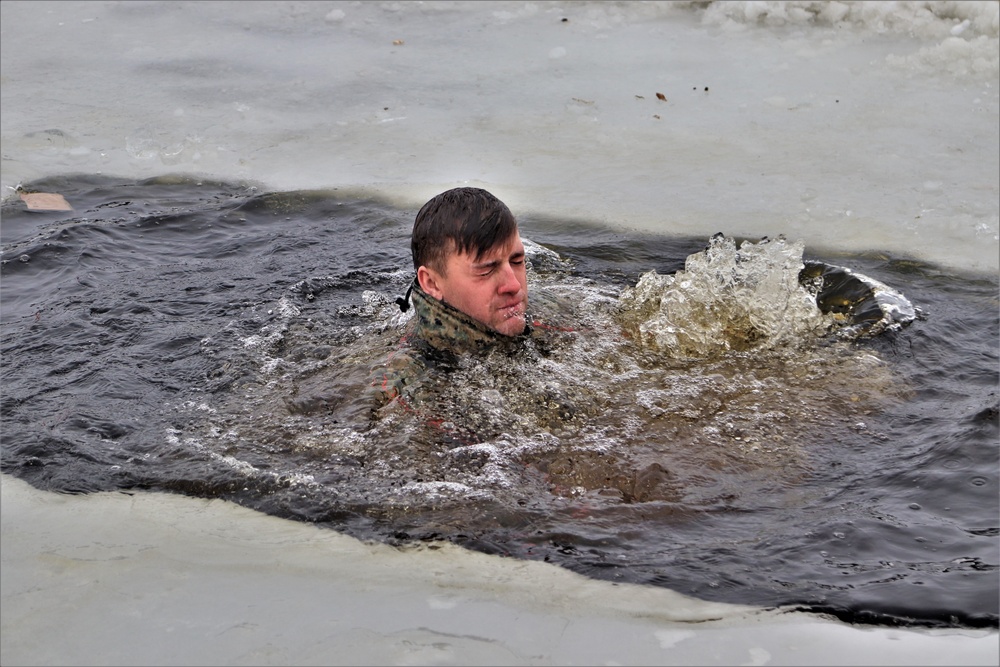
(726, 299)
(728, 376)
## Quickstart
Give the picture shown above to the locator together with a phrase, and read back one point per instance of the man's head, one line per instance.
(467, 252)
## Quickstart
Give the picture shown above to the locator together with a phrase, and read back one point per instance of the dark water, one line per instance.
(208, 339)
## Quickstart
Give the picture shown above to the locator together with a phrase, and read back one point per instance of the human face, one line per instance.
(492, 289)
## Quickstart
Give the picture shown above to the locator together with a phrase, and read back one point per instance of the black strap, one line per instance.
(404, 301)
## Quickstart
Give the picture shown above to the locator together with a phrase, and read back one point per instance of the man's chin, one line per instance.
(511, 326)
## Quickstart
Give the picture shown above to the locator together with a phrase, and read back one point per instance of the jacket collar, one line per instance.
(444, 327)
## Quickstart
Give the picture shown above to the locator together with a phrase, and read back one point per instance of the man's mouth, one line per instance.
(513, 310)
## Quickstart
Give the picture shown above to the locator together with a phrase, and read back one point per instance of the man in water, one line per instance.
(471, 284)
(470, 293)
(468, 255)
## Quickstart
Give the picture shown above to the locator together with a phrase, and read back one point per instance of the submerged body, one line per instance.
(438, 335)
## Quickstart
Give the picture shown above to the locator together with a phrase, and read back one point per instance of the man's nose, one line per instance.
(508, 280)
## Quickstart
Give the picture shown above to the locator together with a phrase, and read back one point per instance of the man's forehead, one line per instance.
(510, 246)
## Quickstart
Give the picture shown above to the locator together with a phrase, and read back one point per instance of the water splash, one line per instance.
(727, 298)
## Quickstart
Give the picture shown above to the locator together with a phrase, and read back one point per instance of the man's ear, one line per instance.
(430, 282)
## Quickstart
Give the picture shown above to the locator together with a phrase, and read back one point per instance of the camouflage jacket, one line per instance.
(436, 334)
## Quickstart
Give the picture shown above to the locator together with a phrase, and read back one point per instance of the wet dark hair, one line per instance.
(465, 220)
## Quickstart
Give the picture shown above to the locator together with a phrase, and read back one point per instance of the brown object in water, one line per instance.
(45, 201)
